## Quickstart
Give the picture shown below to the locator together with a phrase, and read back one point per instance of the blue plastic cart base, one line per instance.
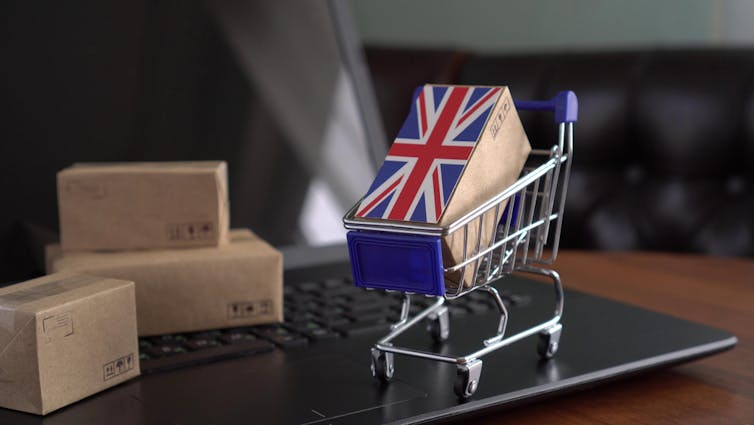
(393, 261)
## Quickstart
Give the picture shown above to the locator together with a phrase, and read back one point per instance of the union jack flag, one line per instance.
(427, 158)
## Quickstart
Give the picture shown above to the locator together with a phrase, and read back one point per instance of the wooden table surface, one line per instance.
(715, 390)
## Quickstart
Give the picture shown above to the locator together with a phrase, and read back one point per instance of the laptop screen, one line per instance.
(283, 97)
(315, 120)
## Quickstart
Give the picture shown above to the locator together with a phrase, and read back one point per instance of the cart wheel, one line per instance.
(438, 325)
(549, 339)
(467, 379)
(382, 365)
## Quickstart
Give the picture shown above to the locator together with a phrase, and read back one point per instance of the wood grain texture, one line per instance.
(715, 390)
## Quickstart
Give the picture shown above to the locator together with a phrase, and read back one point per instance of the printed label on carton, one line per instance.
(86, 189)
(57, 326)
(118, 366)
(497, 122)
(244, 309)
(191, 231)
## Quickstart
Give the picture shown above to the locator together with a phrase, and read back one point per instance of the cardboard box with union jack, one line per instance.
(459, 146)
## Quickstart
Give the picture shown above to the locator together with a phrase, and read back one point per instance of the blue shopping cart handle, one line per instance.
(564, 104)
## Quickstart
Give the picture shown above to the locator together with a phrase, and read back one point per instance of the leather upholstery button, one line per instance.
(735, 185)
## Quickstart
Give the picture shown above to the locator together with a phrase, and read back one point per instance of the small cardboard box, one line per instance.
(64, 337)
(184, 290)
(121, 206)
(459, 146)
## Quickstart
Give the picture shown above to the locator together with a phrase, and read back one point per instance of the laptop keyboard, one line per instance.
(315, 312)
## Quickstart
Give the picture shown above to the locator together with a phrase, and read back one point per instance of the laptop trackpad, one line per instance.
(281, 389)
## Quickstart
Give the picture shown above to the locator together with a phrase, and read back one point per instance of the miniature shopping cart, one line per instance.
(407, 257)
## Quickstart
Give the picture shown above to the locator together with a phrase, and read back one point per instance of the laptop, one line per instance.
(315, 368)
(328, 380)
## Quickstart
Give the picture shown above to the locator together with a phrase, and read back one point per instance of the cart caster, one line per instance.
(467, 379)
(438, 325)
(382, 365)
(548, 341)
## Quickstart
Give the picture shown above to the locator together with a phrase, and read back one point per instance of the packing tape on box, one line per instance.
(27, 295)
(11, 301)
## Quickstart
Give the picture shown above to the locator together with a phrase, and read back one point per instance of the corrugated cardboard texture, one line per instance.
(64, 337)
(495, 164)
(120, 206)
(186, 290)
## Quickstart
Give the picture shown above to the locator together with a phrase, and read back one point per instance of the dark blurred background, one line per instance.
(665, 140)
(664, 156)
(162, 81)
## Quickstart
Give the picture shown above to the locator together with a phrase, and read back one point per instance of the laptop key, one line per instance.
(333, 321)
(167, 339)
(281, 336)
(330, 308)
(342, 290)
(369, 308)
(205, 335)
(201, 343)
(237, 338)
(310, 287)
(164, 350)
(330, 312)
(477, 307)
(288, 341)
(517, 300)
(314, 331)
(355, 306)
(363, 326)
(334, 283)
(300, 317)
(481, 296)
(371, 316)
(321, 334)
(457, 311)
(301, 302)
(364, 297)
(206, 355)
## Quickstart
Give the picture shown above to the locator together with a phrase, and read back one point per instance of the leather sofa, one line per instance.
(664, 146)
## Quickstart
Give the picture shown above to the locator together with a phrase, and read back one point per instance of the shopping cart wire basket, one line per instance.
(407, 257)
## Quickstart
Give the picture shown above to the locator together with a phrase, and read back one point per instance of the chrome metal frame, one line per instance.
(514, 246)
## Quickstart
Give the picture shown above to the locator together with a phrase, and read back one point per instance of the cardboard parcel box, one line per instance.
(119, 206)
(459, 146)
(185, 290)
(64, 337)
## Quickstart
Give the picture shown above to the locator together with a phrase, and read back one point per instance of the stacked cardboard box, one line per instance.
(125, 206)
(64, 337)
(156, 236)
(165, 226)
(184, 290)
